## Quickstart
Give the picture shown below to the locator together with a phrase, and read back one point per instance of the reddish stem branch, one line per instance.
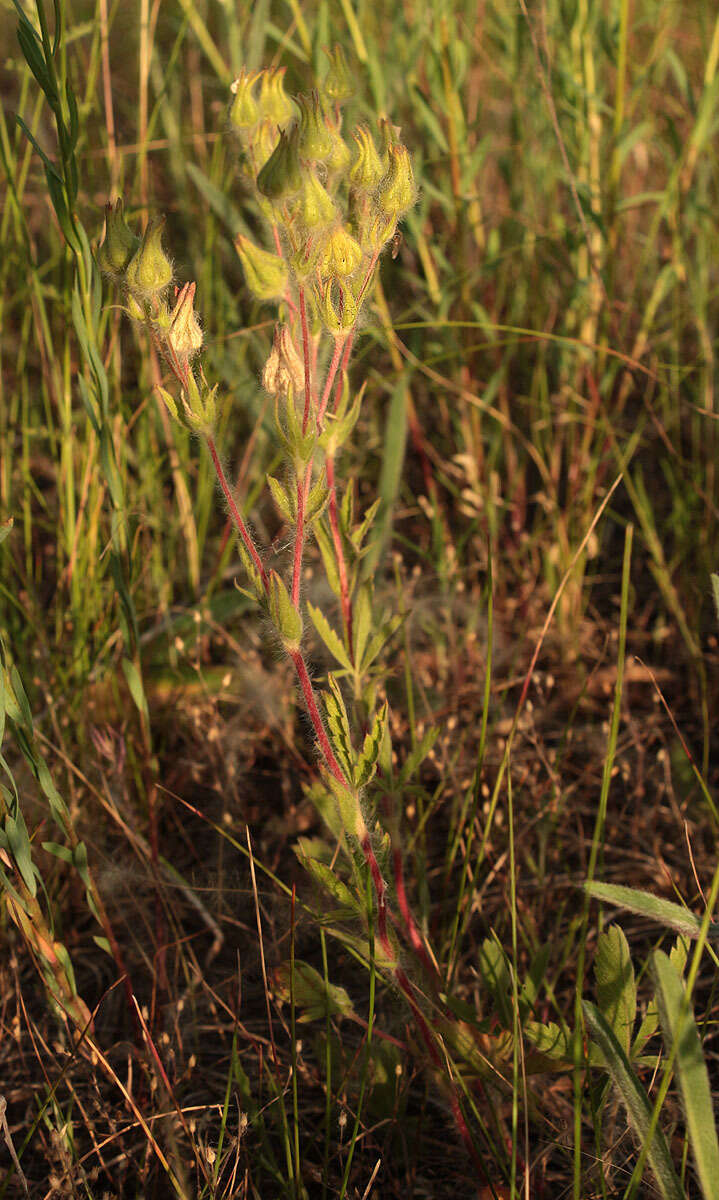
(345, 600)
(237, 517)
(303, 486)
(334, 364)
(308, 368)
(316, 719)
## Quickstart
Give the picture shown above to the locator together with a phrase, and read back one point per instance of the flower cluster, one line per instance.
(142, 269)
(332, 206)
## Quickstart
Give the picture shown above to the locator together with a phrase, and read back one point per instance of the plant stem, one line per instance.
(237, 517)
(316, 719)
(308, 369)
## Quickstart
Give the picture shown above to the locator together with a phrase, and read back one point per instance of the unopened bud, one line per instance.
(199, 402)
(389, 135)
(284, 369)
(244, 112)
(265, 273)
(366, 170)
(396, 192)
(275, 104)
(150, 270)
(315, 137)
(341, 255)
(263, 144)
(120, 242)
(339, 159)
(281, 175)
(184, 335)
(337, 84)
(315, 209)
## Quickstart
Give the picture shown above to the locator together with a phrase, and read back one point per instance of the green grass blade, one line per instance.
(679, 1027)
(635, 1100)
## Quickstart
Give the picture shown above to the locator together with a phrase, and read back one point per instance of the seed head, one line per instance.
(281, 175)
(396, 192)
(275, 105)
(244, 113)
(366, 170)
(315, 209)
(337, 84)
(315, 136)
(149, 270)
(284, 369)
(184, 335)
(120, 242)
(341, 256)
(265, 273)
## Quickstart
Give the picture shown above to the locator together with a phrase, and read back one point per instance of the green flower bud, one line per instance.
(366, 170)
(284, 370)
(389, 134)
(184, 335)
(315, 135)
(263, 145)
(120, 242)
(265, 273)
(275, 104)
(338, 319)
(341, 255)
(200, 404)
(339, 159)
(150, 270)
(306, 258)
(315, 209)
(396, 192)
(376, 232)
(281, 175)
(244, 112)
(337, 84)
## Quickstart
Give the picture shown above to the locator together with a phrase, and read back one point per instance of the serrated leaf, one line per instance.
(664, 912)
(316, 501)
(366, 764)
(635, 1100)
(338, 723)
(331, 639)
(680, 1031)
(283, 612)
(551, 1041)
(616, 986)
(315, 998)
(358, 535)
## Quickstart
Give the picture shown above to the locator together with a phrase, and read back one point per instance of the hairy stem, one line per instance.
(237, 517)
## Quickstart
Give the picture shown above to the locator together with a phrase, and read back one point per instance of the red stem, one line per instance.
(336, 355)
(316, 719)
(413, 933)
(339, 552)
(237, 517)
(308, 369)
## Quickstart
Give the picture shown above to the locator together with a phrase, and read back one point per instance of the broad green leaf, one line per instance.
(664, 912)
(635, 1100)
(362, 623)
(680, 1030)
(549, 1039)
(19, 843)
(616, 986)
(313, 997)
(494, 969)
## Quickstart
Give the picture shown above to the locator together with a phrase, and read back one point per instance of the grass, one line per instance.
(539, 426)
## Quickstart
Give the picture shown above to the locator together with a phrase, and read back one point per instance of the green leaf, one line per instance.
(366, 764)
(5, 530)
(635, 1100)
(362, 623)
(331, 639)
(494, 969)
(21, 850)
(418, 755)
(134, 682)
(315, 998)
(338, 724)
(327, 550)
(551, 1041)
(281, 498)
(380, 639)
(616, 986)
(283, 612)
(646, 905)
(680, 1031)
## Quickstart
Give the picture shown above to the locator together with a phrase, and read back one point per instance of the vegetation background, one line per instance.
(540, 423)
